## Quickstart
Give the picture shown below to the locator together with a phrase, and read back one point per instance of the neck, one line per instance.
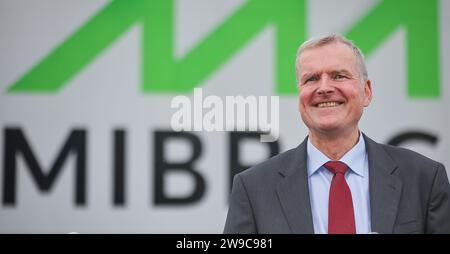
(334, 146)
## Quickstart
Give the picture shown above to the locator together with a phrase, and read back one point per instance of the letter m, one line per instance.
(420, 20)
(15, 143)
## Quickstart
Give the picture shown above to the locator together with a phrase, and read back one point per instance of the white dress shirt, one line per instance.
(319, 180)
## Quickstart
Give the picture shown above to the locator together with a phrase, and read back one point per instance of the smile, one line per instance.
(328, 104)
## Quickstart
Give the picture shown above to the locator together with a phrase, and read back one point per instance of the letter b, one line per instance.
(162, 166)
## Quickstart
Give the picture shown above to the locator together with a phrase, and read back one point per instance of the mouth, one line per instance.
(328, 104)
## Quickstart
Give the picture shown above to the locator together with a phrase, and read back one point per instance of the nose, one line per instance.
(325, 85)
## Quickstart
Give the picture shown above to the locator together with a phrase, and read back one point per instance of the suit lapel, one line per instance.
(385, 188)
(293, 192)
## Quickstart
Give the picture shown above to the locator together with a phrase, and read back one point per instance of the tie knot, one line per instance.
(336, 167)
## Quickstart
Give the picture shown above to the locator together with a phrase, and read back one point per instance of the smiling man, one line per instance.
(339, 181)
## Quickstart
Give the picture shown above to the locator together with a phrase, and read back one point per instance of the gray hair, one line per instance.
(328, 39)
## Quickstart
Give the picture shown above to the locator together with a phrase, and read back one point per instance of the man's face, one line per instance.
(332, 93)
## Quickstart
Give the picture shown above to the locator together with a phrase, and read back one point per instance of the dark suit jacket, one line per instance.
(409, 193)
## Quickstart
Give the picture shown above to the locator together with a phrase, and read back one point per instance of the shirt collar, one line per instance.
(354, 158)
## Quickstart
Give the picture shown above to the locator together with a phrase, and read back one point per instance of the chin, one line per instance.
(329, 127)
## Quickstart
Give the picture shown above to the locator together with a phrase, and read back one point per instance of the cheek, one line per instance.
(355, 96)
(304, 97)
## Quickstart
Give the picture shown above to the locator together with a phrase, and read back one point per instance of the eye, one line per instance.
(339, 76)
(311, 79)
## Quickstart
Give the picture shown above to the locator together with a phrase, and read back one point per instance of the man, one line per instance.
(339, 180)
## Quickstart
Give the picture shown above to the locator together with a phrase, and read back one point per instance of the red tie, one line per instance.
(341, 219)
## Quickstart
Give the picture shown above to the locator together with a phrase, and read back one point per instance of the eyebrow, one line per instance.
(341, 71)
(309, 74)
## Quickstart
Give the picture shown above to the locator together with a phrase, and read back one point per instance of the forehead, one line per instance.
(334, 56)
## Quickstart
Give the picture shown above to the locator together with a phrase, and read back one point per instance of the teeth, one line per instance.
(328, 104)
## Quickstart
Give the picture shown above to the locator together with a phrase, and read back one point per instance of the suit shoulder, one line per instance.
(403, 155)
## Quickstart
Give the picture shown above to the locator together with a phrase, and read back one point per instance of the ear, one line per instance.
(367, 93)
